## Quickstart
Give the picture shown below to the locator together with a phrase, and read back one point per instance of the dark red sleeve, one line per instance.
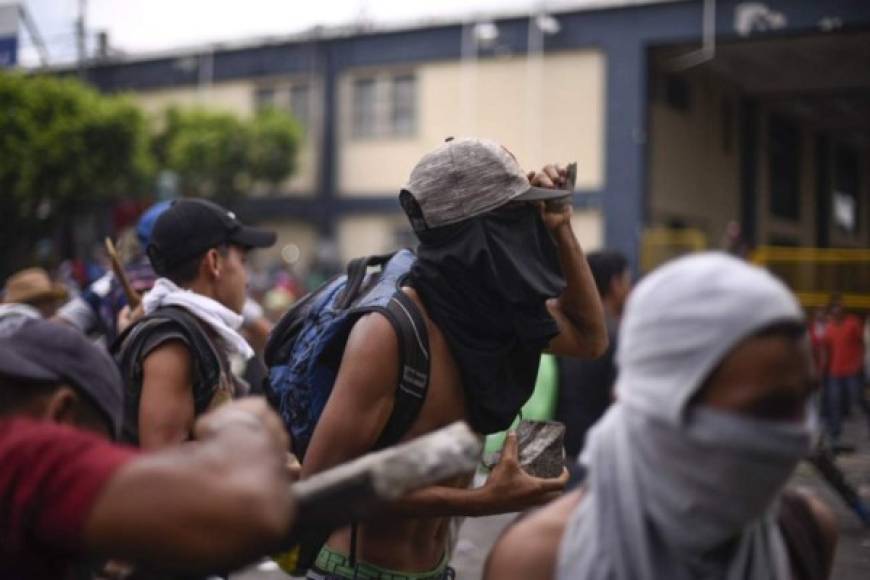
(50, 477)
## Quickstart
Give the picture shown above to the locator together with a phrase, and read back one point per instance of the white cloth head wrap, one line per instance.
(669, 484)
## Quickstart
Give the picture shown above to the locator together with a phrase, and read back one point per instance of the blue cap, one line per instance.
(148, 219)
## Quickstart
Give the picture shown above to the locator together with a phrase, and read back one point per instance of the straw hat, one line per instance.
(32, 285)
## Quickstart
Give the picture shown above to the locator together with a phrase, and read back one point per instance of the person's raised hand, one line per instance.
(549, 177)
(126, 316)
(556, 214)
(510, 489)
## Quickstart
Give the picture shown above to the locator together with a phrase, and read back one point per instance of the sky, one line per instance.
(143, 26)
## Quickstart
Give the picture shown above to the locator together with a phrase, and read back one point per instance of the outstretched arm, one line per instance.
(358, 409)
(508, 489)
(215, 503)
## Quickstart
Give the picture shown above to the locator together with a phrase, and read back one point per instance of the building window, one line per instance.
(364, 108)
(846, 187)
(300, 104)
(264, 98)
(784, 168)
(384, 106)
(294, 98)
(404, 102)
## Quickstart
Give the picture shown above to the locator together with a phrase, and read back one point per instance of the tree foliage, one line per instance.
(217, 155)
(276, 137)
(63, 145)
(63, 142)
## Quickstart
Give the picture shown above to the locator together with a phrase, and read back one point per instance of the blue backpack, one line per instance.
(305, 349)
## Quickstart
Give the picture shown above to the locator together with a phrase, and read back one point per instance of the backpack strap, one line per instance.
(410, 327)
(405, 317)
(356, 274)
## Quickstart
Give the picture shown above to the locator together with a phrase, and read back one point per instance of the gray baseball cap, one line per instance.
(464, 178)
(52, 352)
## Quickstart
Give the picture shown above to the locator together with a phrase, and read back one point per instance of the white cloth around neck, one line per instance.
(218, 317)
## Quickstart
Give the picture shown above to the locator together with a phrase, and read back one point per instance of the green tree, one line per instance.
(276, 137)
(218, 155)
(62, 145)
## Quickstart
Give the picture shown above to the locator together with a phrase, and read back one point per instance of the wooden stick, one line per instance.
(133, 297)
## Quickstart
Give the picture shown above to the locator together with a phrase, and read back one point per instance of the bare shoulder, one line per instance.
(827, 522)
(529, 549)
(824, 515)
(371, 344)
(372, 332)
(363, 390)
(369, 367)
(169, 363)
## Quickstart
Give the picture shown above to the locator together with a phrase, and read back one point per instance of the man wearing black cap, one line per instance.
(67, 493)
(499, 278)
(175, 359)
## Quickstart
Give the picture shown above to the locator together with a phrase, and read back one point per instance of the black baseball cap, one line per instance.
(191, 227)
(40, 351)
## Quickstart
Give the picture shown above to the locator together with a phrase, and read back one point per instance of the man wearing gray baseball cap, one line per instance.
(499, 278)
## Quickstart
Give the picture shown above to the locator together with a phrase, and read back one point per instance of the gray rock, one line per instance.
(542, 448)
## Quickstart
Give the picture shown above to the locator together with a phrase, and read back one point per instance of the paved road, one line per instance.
(852, 561)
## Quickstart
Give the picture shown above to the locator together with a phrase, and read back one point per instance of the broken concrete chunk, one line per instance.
(542, 448)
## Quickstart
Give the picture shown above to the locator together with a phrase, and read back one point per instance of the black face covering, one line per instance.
(485, 283)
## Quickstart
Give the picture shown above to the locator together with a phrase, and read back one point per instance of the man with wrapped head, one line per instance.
(686, 470)
(498, 279)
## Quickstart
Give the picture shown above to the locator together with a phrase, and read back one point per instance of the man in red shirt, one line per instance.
(845, 347)
(816, 327)
(67, 493)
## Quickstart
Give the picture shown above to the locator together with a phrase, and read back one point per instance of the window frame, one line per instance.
(391, 115)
